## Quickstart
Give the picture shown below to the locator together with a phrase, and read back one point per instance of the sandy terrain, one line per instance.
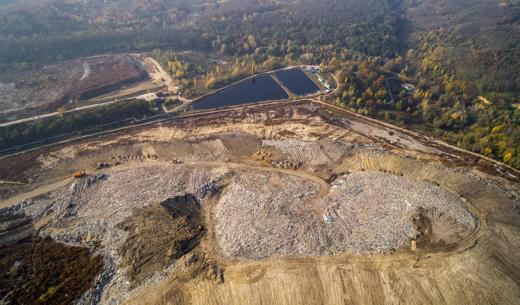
(290, 204)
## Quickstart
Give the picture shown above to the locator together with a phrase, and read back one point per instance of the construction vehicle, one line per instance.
(101, 165)
(80, 174)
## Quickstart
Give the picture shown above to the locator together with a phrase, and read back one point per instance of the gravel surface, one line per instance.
(373, 210)
(87, 214)
(262, 215)
(259, 214)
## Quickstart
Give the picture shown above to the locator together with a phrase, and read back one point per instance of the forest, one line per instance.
(460, 58)
(80, 122)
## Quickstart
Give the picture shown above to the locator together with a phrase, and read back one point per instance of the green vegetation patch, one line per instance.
(80, 122)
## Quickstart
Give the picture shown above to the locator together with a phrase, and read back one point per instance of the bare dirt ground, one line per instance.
(157, 80)
(64, 84)
(281, 204)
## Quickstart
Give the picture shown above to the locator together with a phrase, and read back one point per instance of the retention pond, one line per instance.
(297, 81)
(257, 89)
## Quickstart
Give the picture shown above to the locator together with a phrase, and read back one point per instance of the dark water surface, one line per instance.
(261, 88)
(297, 81)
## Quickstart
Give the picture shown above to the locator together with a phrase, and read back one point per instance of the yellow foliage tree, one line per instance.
(179, 74)
(508, 155)
(61, 111)
(497, 129)
(210, 82)
(251, 41)
(487, 151)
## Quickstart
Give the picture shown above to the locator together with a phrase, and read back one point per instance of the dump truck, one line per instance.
(80, 174)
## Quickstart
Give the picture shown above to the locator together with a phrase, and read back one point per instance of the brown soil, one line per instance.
(449, 266)
(45, 90)
(160, 234)
(42, 271)
(15, 170)
(436, 229)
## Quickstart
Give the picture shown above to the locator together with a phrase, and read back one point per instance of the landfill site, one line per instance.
(280, 203)
(69, 84)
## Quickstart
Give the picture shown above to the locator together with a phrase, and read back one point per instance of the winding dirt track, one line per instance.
(322, 185)
(481, 269)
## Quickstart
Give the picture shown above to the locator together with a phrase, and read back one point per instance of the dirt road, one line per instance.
(323, 186)
(481, 269)
(53, 114)
(35, 193)
(159, 80)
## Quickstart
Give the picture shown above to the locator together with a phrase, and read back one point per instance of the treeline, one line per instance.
(80, 121)
(305, 26)
(438, 104)
(195, 78)
(294, 29)
(31, 52)
(465, 73)
(49, 17)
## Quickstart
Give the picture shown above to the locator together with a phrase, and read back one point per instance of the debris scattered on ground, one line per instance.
(140, 219)
(351, 193)
(364, 212)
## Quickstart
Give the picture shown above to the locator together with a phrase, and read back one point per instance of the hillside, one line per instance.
(289, 203)
(259, 152)
(466, 61)
(461, 57)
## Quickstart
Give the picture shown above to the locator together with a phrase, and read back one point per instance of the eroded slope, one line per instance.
(290, 204)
